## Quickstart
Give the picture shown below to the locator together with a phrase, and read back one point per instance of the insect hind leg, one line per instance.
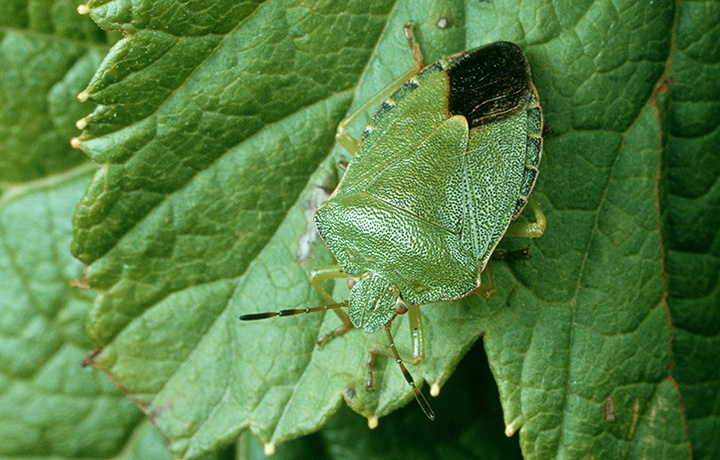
(488, 289)
(528, 229)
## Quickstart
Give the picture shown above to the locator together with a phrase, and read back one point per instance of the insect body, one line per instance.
(444, 167)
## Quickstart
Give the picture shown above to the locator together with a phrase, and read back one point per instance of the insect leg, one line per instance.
(488, 289)
(342, 136)
(326, 273)
(522, 253)
(374, 350)
(530, 229)
(535, 229)
(418, 343)
(416, 332)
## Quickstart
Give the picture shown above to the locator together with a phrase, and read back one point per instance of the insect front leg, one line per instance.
(342, 136)
(325, 273)
(316, 276)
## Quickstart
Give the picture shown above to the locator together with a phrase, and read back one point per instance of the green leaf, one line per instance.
(214, 132)
(43, 58)
(692, 255)
(469, 410)
(50, 406)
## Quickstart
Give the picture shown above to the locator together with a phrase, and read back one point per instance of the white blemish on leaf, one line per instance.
(306, 241)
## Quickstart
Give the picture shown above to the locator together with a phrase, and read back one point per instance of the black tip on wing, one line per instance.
(489, 84)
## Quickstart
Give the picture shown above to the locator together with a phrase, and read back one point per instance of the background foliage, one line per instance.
(211, 140)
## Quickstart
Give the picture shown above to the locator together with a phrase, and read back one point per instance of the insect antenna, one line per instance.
(291, 312)
(424, 405)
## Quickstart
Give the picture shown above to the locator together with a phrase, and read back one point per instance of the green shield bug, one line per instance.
(444, 167)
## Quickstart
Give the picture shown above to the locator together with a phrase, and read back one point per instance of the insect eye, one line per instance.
(401, 307)
(351, 282)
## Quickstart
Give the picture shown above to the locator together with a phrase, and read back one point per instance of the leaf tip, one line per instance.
(84, 8)
(81, 124)
(434, 389)
(75, 142)
(269, 449)
(83, 96)
(372, 422)
(511, 428)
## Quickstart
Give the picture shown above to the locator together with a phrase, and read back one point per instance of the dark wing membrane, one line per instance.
(489, 84)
